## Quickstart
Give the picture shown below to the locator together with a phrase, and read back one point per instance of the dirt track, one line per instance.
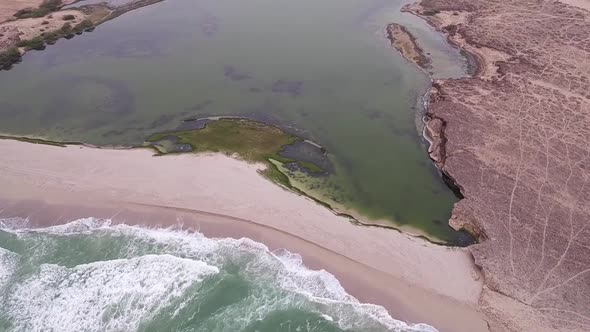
(515, 139)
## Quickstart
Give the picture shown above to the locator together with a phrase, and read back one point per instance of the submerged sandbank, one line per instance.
(416, 280)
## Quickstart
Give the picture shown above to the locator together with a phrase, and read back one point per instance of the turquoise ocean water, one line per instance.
(88, 275)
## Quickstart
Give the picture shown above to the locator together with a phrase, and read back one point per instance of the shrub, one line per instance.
(85, 25)
(431, 12)
(69, 17)
(9, 57)
(66, 31)
(24, 13)
(36, 43)
(45, 8)
(51, 5)
(51, 37)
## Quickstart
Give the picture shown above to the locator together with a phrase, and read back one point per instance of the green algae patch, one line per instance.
(310, 167)
(252, 141)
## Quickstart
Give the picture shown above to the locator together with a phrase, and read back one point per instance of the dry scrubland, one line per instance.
(515, 139)
(13, 28)
(9, 7)
(28, 24)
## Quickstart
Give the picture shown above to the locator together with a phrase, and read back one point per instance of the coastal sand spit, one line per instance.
(415, 280)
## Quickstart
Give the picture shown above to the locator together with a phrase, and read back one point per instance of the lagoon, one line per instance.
(322, 69)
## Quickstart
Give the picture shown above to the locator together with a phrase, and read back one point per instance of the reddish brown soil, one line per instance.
(515, 140)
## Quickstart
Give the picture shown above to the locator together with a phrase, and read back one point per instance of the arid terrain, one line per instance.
(47, 20)
(9, 7)
(13, 29)
(514, 138)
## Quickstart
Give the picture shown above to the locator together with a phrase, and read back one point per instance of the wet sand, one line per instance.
(224, 197)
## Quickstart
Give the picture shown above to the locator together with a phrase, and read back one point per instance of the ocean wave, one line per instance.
(166, 262)
(13, 223)
(115, 295)
(8, 264)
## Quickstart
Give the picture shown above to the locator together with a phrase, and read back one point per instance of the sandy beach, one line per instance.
(224, 197)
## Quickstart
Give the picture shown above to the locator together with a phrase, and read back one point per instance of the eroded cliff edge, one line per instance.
(514, 137)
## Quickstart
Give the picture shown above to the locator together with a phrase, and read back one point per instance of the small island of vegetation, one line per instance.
(253, 141)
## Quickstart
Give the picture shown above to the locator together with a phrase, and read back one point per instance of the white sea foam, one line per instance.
(113, 295)
(326, 317)
(324, 289)
(8, 264)
(79, 226)
(13, 223)
(298, 286)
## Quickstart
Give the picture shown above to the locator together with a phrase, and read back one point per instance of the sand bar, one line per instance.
(417, 281)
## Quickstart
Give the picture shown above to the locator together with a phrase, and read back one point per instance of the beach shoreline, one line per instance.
(224, 197)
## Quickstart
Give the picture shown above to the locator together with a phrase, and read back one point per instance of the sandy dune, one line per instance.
(419, 275)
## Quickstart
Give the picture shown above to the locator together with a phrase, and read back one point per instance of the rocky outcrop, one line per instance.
(515, 139)
(434, 130)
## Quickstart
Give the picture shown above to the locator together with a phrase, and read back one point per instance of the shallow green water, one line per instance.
(323, 67)
(89, 276)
